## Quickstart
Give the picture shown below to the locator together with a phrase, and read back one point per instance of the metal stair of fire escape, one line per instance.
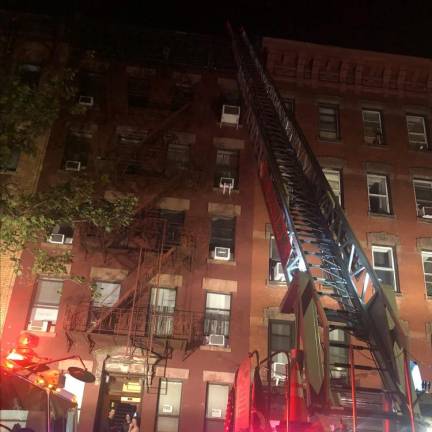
(320, 235)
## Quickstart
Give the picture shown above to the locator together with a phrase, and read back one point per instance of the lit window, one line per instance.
(378, 194)
(338, 354)
(169, 406)
(372, 127)
(423, 197)
(417, 136)
(427, 270)
(328, 122)
(217, 316)
(384, 265)
(43, 316)
(107, 293)
(276, 273)
(216, 404)
(226, 166)
(334, 179)
(163, 301)
(222, 241)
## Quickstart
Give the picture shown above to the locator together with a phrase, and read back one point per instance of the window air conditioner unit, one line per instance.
(222, 253)
(72, 165)
(216, 413)
(278, 274)
(167, 409)
(216, 340)
(86, 100)
(56, 238)
(230, 115)
(426, 212)
(279, 371)
(40, 326)
(226, 182)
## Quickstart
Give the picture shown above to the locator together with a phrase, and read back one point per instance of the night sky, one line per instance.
(398, 26)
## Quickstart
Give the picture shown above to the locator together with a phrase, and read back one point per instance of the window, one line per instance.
(223, 238)
(417, 136)
(178, 155)
(30, 74)
(384, 265)
(169, 406)
(276, 273)
(280, 339)
(61, 234)
(334, 178)
(107, 293)
(174, 225)
(289, 104)
(163, 301)
(138, 92)
(92, 85)
(378, 194)
(427, 270)
(10, 160)
(43, 316)
(216, 403)
(338, 354)
(423, 197)
(372, 127)
(77, 149)
(328, 122)
(217, 315)
(226, 166)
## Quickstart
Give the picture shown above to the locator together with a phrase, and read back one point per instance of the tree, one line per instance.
(28, 110)
(26, 220)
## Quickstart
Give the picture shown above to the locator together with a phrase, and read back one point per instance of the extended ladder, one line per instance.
(317, 247)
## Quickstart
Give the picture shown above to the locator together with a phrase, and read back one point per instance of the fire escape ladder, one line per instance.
(138, 278)
(315, 242)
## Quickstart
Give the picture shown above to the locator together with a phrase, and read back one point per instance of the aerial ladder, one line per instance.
(331, 284)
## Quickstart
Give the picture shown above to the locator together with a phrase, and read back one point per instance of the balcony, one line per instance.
(144, 327)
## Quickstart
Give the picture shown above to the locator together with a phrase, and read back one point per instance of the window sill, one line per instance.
(229, 262)
(58, 246)
(424, 220)
(418, 151)
(218, 189)
(376, 146)
(381, 215)
(43, 333)
(7, 172)
(275, 284)
(215, 348)
(330, 140)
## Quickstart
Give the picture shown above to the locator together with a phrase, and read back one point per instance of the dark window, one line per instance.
(11, 160)
(43, 316)
(138, 92)
(222, 236)
(384, 264)
(216, 404)
(169, 405)
(427, 271)
(178, 153)
(77, 148)
(280, 342)
(217, 315)
(92, 85)
(329, 122)
(174, 226)
(372, 127)
(338, 354)
(423, 197)
(334, 178)
(227, 162)
(30, 74)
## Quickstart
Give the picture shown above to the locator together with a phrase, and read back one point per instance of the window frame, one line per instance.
(84, 138)
(385, 249)
(336, 115)
(413, 145)
(424, 181)
(226, 317)
(337, 171)
(36, 304)
(97, 303)
(371, 140)
(427, 254)
(387, 194)
(273, 260)
(219, 241)
(166, 415)
(231, 169)
(214, 420)
(291, 337)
